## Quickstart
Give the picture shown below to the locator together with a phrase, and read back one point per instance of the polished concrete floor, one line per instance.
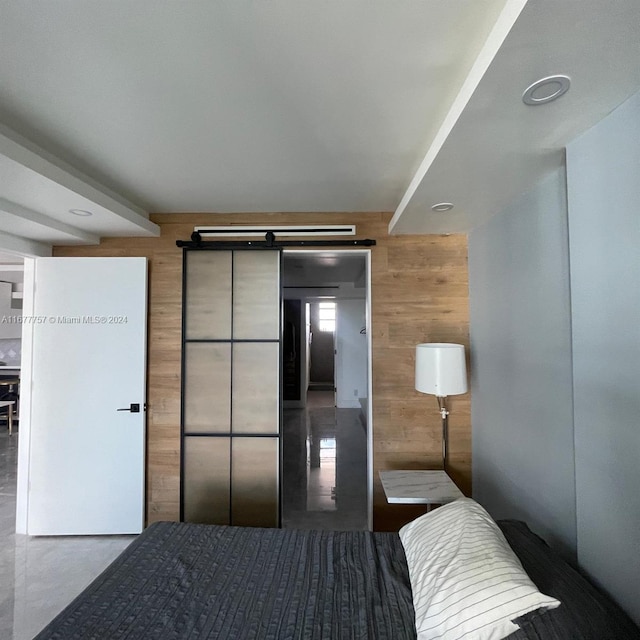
(324, 484)
(324, 487)
(40, 576)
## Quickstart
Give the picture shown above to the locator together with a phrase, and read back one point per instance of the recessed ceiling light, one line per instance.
(546, 89)
(80, 212)
(442, 206)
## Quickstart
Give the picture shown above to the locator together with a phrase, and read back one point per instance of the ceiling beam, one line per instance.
(500, 31)
(26, 153)
(23, 213)
(23, 247)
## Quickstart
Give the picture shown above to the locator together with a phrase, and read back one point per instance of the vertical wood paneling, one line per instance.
(419, 294)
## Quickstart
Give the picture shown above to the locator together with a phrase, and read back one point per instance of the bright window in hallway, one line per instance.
(327, 448)
(327, 316)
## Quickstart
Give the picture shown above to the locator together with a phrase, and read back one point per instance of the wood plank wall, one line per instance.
(419, 294)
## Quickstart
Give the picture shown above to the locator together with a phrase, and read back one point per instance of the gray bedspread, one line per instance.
(185, 581)
(196, 581)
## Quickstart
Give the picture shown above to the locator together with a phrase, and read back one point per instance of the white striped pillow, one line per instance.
(466, 581)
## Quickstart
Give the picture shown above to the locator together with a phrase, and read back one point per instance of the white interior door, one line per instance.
(88, 362)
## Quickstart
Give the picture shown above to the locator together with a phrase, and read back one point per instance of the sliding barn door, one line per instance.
(231, 387)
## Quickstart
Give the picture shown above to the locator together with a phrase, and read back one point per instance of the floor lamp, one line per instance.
(441, 371)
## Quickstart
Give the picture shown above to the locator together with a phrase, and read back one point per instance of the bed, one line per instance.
(178, 581)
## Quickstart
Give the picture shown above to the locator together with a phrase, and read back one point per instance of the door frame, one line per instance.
(366, 253)
(24, 441)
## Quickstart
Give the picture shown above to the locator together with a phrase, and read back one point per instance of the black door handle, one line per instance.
(134, 408)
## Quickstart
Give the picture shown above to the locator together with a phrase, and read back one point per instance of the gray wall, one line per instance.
(603, 182)
(555, 337)
(522, 415)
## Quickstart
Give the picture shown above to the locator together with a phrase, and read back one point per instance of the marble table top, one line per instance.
(419, 487)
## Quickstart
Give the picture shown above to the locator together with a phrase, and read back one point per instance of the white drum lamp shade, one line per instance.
(441, 369)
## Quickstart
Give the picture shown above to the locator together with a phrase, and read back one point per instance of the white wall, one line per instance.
(351, 359)
(603, 180)
(523, 461)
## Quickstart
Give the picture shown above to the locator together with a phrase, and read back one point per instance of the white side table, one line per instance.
(419, 487)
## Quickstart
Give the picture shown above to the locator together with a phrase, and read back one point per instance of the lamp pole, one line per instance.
(444, 413)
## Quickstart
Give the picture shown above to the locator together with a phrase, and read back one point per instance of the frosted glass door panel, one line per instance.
(256, 295)
(231, 387)
(255, 404)
(206, 480)
(208, 301)
(255, 482)
(207, 389)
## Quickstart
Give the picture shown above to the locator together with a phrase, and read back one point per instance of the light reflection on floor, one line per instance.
(321, 479)
(324, 466)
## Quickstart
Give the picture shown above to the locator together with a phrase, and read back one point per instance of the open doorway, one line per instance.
(11, 288)
(326, 461)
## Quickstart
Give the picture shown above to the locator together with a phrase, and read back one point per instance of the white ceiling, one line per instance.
(125, 108)
(499, 147)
